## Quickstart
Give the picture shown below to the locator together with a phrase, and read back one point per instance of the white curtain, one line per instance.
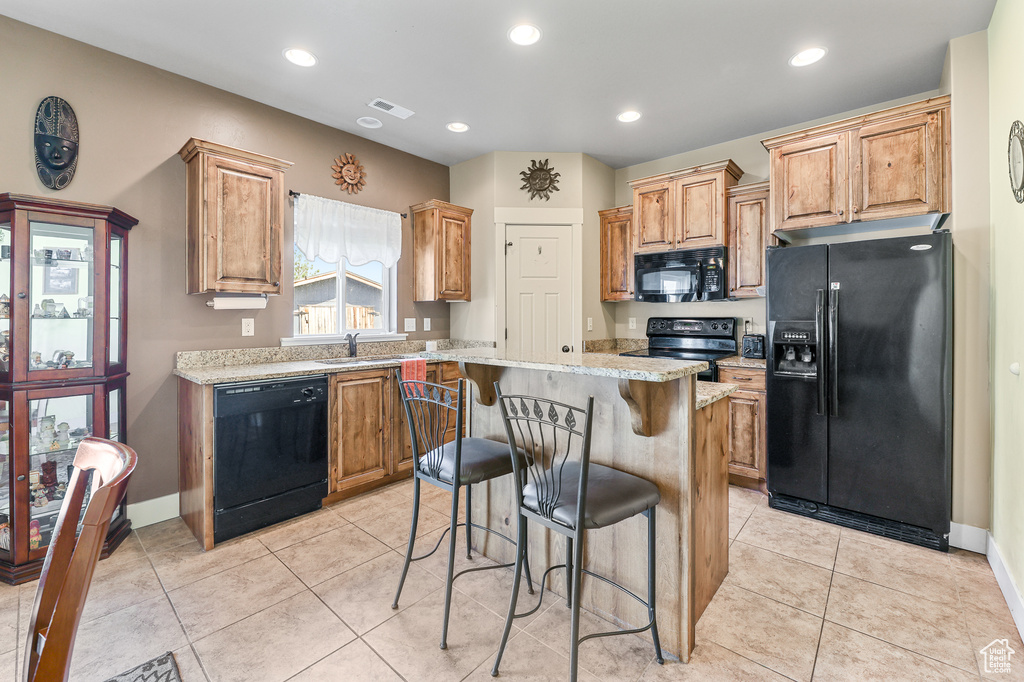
(331, 230)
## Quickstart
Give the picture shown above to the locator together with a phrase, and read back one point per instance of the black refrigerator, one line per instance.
(859, 383)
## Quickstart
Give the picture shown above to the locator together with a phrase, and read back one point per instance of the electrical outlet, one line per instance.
(632, 323)
(410, 324)
(590, 324)
(426, 324)
(248, 326)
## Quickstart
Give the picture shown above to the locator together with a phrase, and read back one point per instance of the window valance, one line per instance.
(332, 230)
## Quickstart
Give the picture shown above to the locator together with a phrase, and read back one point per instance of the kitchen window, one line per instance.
(336, 299)
(346, 263)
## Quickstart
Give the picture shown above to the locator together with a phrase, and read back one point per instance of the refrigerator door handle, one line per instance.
(819, 328)
(833, 348)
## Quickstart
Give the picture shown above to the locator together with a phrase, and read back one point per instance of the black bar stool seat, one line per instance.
(482, 460)
(612, 495)
(430, 410)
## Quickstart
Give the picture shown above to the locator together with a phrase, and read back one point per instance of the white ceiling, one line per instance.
(701, 71)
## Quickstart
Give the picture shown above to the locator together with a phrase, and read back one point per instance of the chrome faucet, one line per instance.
(351, 338)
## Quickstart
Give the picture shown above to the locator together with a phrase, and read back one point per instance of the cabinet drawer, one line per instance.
(449, 372)
(746, 379)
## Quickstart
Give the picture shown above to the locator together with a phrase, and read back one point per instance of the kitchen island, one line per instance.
(646, 422)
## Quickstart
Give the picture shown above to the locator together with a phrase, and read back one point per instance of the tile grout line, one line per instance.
(821, 629)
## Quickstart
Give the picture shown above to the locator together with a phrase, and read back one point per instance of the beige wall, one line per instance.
(967, 71)
(1006, 104)
(492, 182)
(133, 120)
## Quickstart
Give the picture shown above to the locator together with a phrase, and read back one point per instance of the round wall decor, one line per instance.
(1015, 160)
(56, 142)
(349, 173)
(540, 180)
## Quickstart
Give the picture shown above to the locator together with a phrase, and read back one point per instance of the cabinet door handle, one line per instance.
(840, 211)
(277, 284)
(740, 379)
(855, 209)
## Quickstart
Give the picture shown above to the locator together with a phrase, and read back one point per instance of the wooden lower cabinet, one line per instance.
(370, 443)
(747, 424)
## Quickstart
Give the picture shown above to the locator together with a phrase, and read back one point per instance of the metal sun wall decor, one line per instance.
(56, 142)
(349, 173)
(540, 180)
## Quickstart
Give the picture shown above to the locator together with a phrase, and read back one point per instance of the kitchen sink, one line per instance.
(365, 359)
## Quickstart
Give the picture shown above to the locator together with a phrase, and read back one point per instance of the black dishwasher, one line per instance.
(270, 452)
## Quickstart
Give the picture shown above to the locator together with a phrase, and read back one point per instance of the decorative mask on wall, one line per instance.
(540, 180)
(56, 141)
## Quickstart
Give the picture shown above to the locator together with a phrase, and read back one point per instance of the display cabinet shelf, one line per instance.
(63, 344)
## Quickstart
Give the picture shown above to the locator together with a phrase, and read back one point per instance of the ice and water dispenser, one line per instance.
(795, 346)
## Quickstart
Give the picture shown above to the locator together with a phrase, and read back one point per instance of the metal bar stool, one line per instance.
(560, 489)
(430, 410)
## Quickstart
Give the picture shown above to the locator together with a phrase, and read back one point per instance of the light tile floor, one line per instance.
(310, 600)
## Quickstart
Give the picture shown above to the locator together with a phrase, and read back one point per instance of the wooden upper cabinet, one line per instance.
(701, 209)
(888, 164)
(234, 220)
(898, 167)
(684, 209)
(617, 254)
(441, 251)
(749, 234)
(810, 179)
(653, 227)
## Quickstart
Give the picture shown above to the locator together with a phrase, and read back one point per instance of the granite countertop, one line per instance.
(276, 370)
(741, 362)
(712, 391)
(593, 364)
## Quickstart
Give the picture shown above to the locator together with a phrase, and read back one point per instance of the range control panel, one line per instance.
(691, 326)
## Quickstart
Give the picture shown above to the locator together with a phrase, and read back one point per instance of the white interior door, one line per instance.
(538, 288)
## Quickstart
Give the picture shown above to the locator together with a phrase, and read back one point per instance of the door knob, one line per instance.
(565, 349)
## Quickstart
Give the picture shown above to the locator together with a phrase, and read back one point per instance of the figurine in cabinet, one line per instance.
(34, 536)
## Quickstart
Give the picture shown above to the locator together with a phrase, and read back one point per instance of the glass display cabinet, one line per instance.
(63, 338)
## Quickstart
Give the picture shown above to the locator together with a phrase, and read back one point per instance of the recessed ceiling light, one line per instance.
(299, 56)
(524, 34)
(629, 116)
(808, 56)
(457, 127)
(369, 122)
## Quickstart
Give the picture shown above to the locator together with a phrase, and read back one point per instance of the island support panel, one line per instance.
(684, 455)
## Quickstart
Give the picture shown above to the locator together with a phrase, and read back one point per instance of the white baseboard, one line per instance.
(968, 537)
(1011, 592)
(148, 512)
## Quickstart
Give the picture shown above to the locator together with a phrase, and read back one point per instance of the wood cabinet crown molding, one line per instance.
(847, 124)
(729, 166)
(442, 251)
(195, 146)
(234, 219)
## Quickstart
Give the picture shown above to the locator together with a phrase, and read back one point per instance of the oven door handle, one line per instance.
(819, 328)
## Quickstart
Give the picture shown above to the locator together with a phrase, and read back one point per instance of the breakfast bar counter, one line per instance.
(646, 422)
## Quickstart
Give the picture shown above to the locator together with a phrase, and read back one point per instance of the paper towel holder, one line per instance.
(238, 302)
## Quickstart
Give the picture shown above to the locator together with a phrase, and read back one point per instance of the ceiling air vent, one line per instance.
(390, 108)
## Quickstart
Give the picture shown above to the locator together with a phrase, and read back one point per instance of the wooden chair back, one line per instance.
(72, 556)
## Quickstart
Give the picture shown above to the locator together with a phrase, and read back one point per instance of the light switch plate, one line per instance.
(410, 324)
(426, 324)
(590, 324)
(248, 326)
(632, 323)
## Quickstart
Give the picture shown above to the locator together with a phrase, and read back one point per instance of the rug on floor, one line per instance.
(160, 669)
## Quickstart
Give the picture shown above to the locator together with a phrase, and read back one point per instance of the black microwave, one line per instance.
(681, 276)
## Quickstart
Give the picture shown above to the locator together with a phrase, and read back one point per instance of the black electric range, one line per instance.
(691, 338)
